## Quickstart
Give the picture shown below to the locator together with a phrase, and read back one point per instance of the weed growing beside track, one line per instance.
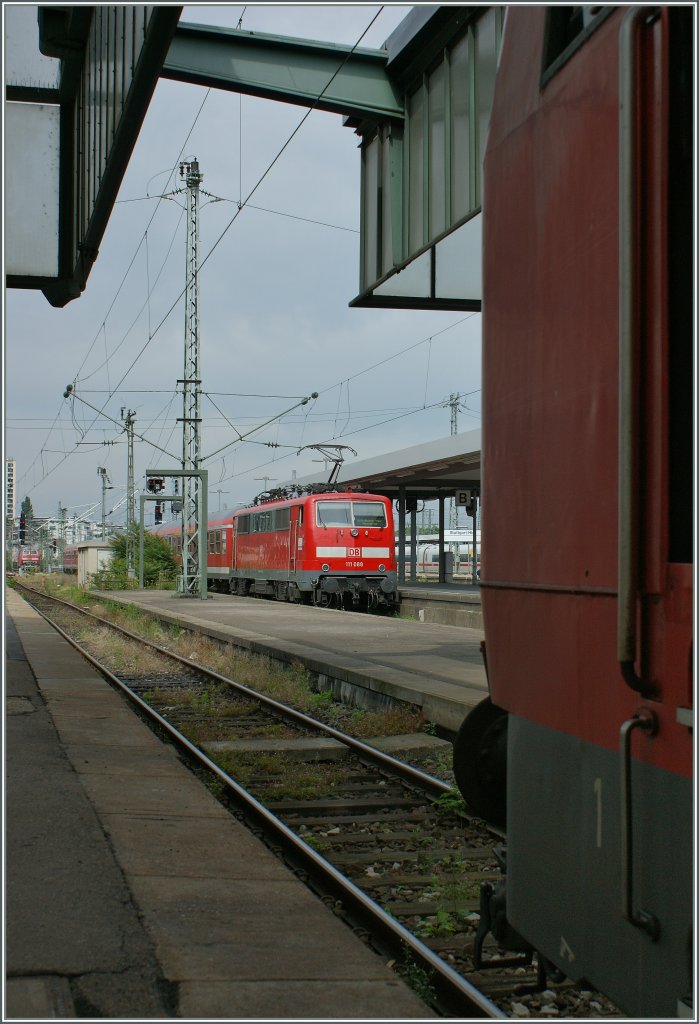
(288, 684)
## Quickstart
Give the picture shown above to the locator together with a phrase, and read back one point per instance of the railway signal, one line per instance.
(155, 484)
(467, 500)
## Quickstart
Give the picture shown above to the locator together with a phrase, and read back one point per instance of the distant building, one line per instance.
(10, 475)
(93, 557)
(69, 530)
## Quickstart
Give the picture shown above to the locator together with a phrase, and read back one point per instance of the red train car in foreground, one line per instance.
(588, 394)
(332, 549)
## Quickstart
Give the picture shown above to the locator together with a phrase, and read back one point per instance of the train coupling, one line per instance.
(493, 920)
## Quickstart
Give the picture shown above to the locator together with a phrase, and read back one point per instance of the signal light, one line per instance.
(158, 513)
(22, 528)
(155, 484)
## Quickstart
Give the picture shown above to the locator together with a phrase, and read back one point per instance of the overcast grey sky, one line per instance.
(275, 322)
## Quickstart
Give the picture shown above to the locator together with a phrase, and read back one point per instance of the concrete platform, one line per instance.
(449, 604)
(131, 892)
(366, 659)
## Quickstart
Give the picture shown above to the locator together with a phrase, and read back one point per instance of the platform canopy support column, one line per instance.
(442, 552)
(413, 542)
(401, 534)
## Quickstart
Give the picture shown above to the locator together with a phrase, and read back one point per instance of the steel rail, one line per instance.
(454, 993)
(435, 787)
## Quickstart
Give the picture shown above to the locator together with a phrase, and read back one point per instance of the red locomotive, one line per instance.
(332, 549)
(588, 384)
(28, 559)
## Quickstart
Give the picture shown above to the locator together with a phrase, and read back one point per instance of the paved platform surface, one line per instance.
(436, 667)
(130, 892)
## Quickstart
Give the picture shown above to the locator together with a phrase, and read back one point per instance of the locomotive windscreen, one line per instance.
(350, 513)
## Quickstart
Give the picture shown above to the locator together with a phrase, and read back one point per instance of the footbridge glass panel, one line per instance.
(421, 177)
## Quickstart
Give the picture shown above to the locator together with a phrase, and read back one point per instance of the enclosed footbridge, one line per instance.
(420, 105)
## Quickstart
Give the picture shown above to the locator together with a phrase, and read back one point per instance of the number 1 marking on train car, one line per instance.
(598, 794)
(565, 952)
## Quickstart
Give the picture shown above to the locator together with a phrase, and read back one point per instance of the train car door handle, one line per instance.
(647, 720)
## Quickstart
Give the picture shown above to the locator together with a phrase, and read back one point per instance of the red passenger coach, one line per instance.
(331, 549)
(588, 396)
(70, 558)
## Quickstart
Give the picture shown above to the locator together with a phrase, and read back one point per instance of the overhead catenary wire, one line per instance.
(248, 197)
(308, 416)
(143, 238)
(260, 209)
(358, 413)
(296, 448)
(144, 305)
(254, 189)
(124, 278)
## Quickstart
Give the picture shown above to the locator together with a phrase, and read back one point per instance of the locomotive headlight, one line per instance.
(382, 568)
(355, 533)
(325, 567)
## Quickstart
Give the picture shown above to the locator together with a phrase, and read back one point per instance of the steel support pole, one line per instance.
(141, 560)
(401, 534)
(203, 493)
(200, 538)
(442, 552)
(413, 546)
(103, 473)
(474, 578)
(130, 495)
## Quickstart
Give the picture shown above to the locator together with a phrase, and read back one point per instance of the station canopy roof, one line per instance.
(424, 471)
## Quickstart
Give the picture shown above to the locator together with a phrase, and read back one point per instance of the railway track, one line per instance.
(384, 843)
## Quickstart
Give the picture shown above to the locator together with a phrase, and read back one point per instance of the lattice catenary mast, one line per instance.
(453, 511)
(191, 386)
